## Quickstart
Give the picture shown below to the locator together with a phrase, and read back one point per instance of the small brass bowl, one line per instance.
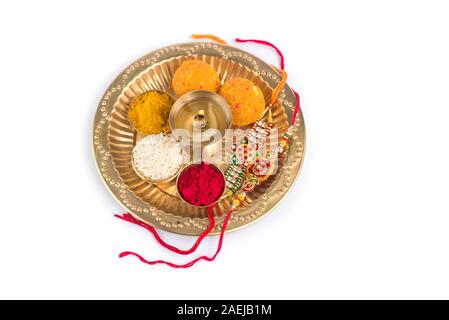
(158, 181)
(195, 164)
(131, 105)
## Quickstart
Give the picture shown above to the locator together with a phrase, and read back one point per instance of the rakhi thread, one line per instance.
(128, 217)
(279, 87)
(266, 43)
(208, 36)
(298, 106)
(282, 67)
(191, 263)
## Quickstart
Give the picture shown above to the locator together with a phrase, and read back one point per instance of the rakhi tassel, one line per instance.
(191, 263)
(284, 76)
(128, 217)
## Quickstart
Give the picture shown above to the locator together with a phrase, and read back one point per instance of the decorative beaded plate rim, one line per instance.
(168, 221)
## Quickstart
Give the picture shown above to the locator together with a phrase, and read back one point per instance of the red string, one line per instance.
(267, 44)
(281, 56)
(210, 215)
(191, 263)
(298, 106)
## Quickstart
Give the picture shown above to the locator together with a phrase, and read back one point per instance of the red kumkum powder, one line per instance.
(201, 184)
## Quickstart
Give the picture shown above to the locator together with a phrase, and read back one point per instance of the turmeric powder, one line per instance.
(149, 112)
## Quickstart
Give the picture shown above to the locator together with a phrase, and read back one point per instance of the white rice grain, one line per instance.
(157, 156)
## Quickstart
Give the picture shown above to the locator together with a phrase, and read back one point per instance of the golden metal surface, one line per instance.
(159, 204)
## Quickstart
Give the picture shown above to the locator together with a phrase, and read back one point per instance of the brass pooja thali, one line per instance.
(159, 204)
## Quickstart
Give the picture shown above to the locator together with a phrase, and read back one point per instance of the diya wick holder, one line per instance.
(199, 120)
(201, 117)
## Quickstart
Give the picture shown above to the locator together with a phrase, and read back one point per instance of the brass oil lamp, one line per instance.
(201, 118)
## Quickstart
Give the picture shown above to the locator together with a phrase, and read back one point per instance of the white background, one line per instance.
(368, 217)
